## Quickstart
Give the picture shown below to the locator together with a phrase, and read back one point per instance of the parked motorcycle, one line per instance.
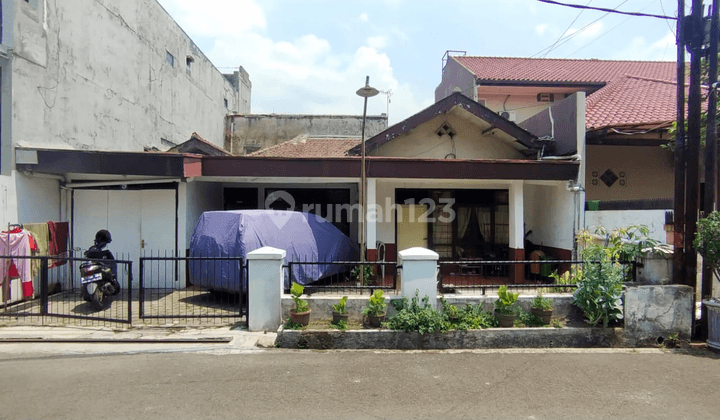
(99, 278)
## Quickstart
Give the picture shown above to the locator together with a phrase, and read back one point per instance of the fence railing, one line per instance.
(192, 288)
(48, 290)
(483, 276)
(347, 277)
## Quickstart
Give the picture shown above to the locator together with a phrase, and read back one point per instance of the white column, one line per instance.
(372, 213)
(265, 286)
(419, 273)
(517, 229)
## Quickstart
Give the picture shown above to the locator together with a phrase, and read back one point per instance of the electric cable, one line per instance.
(602, 9)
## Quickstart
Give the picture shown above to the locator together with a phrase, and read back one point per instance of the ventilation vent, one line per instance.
(445, 129)
(545, 97)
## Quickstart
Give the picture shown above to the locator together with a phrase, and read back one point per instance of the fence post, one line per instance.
(419, 273)
(44, 267)
(265, 287)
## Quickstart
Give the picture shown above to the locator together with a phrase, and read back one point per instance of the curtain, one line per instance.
(484, 222)
(463, 220)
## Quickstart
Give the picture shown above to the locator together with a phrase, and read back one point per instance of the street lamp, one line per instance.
(366, 92)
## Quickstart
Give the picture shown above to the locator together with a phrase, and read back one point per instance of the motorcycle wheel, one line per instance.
(98, 298)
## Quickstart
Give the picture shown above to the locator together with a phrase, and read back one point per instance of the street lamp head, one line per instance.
(367, 91)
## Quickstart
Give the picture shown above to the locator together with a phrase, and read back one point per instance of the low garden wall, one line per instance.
(471, 339)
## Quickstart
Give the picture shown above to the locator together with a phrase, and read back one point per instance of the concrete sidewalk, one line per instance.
(17, 340)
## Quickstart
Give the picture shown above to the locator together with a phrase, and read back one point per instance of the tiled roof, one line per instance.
(634, 92)
(631, 100)
(303, 146)
(563, 70)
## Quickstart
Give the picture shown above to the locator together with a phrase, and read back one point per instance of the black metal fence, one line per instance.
(48, 291)
(545, 276)
(192, 289)
(345, 277)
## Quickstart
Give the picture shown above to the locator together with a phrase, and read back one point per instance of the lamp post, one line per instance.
(366, 92)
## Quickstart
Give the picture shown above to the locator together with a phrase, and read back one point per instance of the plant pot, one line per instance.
(506, 321)
(544, 315)
(337, 317)
(713, 312)
(376, 320)
(302, 318)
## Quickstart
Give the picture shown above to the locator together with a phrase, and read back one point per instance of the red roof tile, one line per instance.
(563, 70)
(303, 146)
(635, 92)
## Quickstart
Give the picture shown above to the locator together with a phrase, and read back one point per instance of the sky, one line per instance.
(310, 56)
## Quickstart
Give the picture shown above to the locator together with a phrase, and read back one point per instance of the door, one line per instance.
(139, 220)
(412, 227)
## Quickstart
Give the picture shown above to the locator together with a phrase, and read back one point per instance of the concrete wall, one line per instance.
(252, 132)
(613, 219)
(647, 172)
(455, 78)
(94, 75)
(468, 143)
(199, 197)
(657, 311)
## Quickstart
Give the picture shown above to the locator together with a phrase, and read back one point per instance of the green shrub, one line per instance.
(541, 303)
(376, 305)
(505, 303)
(411, 316)
(300, 305)
(340, 306)
(707, 240)
(526, 319)
(362, 273)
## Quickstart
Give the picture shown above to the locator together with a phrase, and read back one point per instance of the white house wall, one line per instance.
(90, 74)
(199, 197)
(551, 213)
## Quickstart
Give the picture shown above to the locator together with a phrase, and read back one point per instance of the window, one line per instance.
(226, 103)
(170, 59)
(188, 64)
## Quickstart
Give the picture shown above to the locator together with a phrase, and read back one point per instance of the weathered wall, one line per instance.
(455, 77)
(253, 132)
(468, 143)
(657, 311)
(613, 219)
(642, 172)
(94, 75)
(551, 213)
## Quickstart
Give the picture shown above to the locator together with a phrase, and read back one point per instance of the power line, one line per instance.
(565, 31)
(602, 9)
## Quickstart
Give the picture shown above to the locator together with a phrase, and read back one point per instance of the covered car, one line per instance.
(305, 237)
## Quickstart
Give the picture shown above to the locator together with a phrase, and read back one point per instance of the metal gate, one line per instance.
(47, 290)
(167, 293)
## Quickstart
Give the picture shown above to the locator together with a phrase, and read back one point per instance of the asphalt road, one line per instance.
(281, 384)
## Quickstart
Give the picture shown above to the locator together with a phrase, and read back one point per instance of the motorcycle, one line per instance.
(98, 278)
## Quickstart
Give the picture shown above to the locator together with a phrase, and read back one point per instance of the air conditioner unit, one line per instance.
(508, 115)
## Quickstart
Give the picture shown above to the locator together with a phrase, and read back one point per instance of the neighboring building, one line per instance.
(630, 107)
(95, 76)
(249, 133)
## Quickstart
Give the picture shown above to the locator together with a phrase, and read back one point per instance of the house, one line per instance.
(82, 78)
(630, 107)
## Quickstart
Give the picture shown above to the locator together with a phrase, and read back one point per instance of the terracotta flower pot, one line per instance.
(506, 321)
(337, 317)
(376, 320)
(302, 318)
(545, 316)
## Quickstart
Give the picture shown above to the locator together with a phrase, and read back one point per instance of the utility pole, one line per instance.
(694, 35)
(679, 274)
(710, 156)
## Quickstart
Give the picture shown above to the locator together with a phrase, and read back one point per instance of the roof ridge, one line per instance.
(562, 59)
(650, 79)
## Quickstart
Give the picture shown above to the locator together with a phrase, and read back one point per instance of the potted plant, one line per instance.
(300, 314)
(340, 311)
(375, 310)
(542, 308)
(363, 274)
(707, 242)
(505, 307)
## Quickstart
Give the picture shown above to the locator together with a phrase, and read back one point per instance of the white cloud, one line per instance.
(302, 75)
(378, 42)
(582, 35)
(640, 49)
(541, 28)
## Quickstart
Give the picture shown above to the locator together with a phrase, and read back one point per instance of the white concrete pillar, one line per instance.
(265, 287)
(373, 213)
(419, 273)
(517, 229)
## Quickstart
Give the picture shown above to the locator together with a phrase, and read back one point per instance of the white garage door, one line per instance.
(141, 222)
